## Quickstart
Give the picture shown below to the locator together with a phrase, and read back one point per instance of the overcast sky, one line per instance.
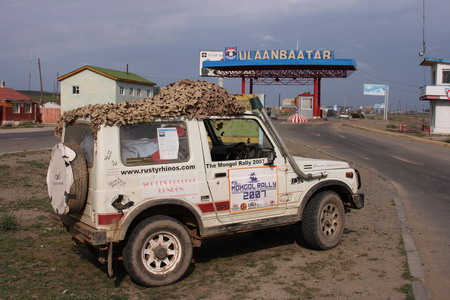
(161, 40)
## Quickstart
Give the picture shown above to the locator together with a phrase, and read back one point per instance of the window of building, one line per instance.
(149, 93)
(75, 89)
(138, 92)
(121, 90)
(131, 92)
(28, 107)
(307, 103)
(446, 76)
(153, 143)
(16, 108)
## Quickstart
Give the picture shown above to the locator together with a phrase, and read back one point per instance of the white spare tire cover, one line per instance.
(67, 179)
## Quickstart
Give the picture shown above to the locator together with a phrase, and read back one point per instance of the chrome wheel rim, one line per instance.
(161, 253)
(330, 220)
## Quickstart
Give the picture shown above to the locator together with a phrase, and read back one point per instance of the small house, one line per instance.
(15, 107)
(94, 85)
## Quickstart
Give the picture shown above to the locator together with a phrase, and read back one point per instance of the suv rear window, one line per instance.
(152, 143)
(81, 134)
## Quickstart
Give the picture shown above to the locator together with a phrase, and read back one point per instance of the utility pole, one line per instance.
(40, 77)
(29, 77)
(57, 87)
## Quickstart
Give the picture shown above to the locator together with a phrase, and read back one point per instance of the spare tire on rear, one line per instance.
(67, 179)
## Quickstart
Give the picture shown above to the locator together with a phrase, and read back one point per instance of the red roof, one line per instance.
(10, 94)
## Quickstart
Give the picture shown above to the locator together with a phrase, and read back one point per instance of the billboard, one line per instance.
(375, 89)
(209, 56)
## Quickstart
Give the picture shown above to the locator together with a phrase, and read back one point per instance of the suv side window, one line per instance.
(233, 139)
(152, 143)
(81, 134)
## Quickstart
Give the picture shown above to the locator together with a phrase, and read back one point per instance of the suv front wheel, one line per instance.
(323, 220)
(158, 251)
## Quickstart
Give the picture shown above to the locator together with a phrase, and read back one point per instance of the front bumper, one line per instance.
(356, 201)
(81, 231)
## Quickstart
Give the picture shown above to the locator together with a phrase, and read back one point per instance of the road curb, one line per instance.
(414, 262)
(404, 136)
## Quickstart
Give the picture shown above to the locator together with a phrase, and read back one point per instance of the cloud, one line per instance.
(264, 37)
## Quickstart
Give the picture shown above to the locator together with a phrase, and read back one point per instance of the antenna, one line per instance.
(424, 47)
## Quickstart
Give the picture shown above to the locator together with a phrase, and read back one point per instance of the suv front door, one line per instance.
(242, 186)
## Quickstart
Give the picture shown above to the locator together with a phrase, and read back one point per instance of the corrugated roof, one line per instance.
(10, 94)
(113, 74)
(428, 61)
(347, 64)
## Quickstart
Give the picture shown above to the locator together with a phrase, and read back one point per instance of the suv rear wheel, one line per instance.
(323, 220)
(158, 251)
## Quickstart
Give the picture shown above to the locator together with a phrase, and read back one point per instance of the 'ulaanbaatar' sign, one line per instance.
(232, 53)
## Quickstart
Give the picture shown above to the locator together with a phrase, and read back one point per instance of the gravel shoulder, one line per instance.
(369, 263)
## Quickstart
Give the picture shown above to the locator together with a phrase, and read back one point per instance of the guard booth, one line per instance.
(438, 93)
(304, 102)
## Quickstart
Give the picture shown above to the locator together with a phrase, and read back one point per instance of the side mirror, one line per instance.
(271, 155)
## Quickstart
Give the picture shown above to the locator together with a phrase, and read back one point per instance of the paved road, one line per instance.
(25, 139)
(421, 174)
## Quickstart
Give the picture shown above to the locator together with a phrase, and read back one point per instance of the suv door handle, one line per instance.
(218, 175)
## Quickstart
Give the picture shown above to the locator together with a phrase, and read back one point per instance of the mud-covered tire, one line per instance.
(158, 251)
(78, 190)
(323, 220)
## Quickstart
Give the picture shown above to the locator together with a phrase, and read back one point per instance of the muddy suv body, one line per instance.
(154, 190)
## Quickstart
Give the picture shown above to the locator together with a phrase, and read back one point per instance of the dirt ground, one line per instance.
(39, 258)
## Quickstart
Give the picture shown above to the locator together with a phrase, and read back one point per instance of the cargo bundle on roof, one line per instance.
(187, 98)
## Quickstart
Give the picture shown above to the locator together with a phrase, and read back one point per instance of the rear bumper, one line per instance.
(81, 231)
(356, 201)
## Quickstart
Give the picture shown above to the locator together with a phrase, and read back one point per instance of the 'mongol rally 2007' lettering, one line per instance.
(156, 170)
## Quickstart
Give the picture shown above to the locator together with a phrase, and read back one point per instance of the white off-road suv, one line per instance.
(154, 190)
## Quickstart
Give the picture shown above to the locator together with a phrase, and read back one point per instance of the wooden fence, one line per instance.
(412, 124)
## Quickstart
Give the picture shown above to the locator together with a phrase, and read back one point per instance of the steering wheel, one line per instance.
(237, 151)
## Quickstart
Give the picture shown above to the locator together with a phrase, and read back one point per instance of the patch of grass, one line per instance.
(42, 204)
(251, 262)
(4, 167)
(35, 163)
(408, 290)
(267, 268)
(313, 267)
(298, 290)
(8, 222)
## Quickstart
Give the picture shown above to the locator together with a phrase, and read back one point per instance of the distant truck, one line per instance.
(153, 190)
(344, 113)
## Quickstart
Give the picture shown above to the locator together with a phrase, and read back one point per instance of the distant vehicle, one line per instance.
(344, 113)
(358, 114)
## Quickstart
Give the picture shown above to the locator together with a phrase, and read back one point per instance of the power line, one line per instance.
(388, 80)
(392, 88)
